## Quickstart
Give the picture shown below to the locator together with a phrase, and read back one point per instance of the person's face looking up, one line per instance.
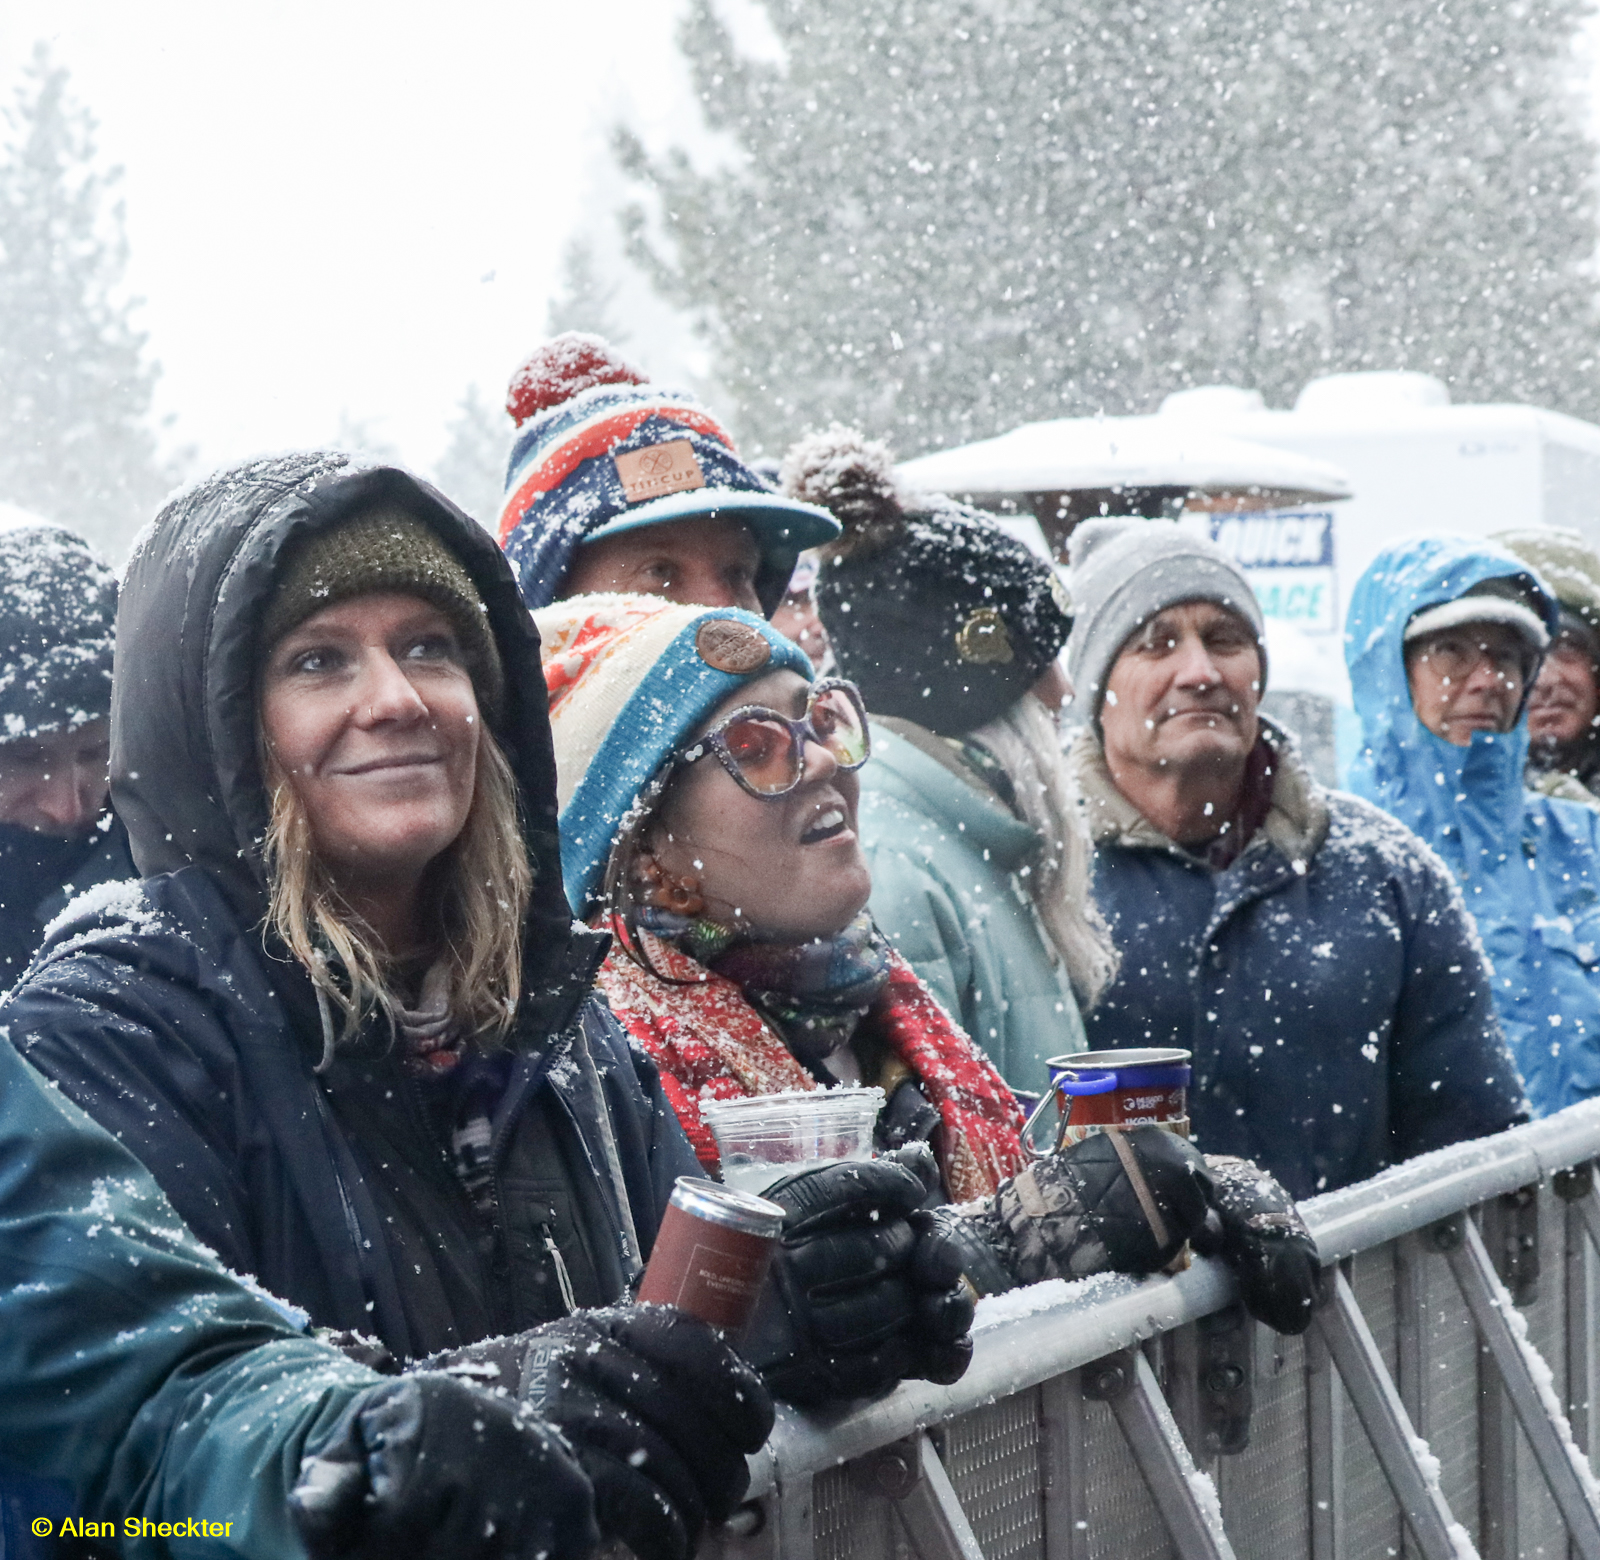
(710, 561)
(56, 784)
(1565, 702)
(368, 709)
(1183, 692)
(1466, 679)
(787, 868)
(797, 619)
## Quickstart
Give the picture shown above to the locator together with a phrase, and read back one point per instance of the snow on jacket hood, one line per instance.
(1412, 774)
(184, 772)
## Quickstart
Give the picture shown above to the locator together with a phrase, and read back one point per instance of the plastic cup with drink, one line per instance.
(716, 1241)
(768, 1136)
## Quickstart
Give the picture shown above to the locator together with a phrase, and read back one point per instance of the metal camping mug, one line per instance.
(1096, 1090)
(712, 1253)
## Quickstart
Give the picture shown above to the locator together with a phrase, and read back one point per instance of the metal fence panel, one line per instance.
(1029, 1466)
(1266, 1490)
(1372, 1516)
(993, 1458)
(1121, 1519)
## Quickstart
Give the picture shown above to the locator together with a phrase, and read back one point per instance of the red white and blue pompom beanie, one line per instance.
(582, 412)
(631, 678)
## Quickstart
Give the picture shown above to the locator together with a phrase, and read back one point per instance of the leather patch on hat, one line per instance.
(661, 469)
(726, 645)
(983, 641)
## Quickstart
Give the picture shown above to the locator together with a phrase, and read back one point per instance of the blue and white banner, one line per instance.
(1289, 556)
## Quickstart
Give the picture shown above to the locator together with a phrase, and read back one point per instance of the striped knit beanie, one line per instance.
(599, 451)
(631, 678)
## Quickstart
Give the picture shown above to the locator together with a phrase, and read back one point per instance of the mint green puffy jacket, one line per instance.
(945, 854)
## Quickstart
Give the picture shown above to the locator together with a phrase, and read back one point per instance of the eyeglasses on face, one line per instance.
(765, 751)
(1457, 655)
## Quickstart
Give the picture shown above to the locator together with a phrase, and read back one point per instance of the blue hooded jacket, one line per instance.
(1528, 865)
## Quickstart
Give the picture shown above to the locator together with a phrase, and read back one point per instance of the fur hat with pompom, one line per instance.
(600, 451)
(935, 612)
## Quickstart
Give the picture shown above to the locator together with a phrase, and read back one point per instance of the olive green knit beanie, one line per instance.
(387, 550)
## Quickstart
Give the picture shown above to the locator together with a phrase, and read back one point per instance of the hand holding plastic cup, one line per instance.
(768, 1136)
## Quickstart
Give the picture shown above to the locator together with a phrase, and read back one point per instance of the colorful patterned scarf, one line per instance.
(815, 992)
(710, 1041)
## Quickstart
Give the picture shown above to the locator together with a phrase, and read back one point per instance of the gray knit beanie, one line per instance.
(1125, 571)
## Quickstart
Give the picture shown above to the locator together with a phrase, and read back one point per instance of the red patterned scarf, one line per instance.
(709, 1041)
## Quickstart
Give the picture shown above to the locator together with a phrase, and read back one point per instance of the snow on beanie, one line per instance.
(58, 609)
(1125, 571)
(1570, 567)
(631, 678)
(937, 614)
(601, 451)
(386, 550)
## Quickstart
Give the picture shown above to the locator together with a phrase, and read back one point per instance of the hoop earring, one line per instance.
(660, 889)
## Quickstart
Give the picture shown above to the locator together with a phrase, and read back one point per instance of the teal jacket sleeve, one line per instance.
(133, 1367)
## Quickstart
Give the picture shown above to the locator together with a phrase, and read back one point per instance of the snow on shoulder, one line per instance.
(119, 908)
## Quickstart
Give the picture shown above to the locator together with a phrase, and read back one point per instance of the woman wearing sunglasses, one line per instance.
(708, 794)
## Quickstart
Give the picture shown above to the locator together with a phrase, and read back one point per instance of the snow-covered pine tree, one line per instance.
(76, 437)
(948, 216)
(472, 469)
(587, 301)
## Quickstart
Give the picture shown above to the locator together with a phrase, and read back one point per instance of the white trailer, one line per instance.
(1416, 462)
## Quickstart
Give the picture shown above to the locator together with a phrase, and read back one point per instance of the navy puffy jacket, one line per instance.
(1328, 982)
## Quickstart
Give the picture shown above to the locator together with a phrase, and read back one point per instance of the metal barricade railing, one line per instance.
(1439, 1407)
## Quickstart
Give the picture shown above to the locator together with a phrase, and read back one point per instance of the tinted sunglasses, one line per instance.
(765, 751)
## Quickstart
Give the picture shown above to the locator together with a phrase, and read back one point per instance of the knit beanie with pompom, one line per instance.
(600, 451)
(934, 611)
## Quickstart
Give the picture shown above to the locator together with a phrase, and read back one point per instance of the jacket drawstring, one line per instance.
(327, 1029)
(563, 1278)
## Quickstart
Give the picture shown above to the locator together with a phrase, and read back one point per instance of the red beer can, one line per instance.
(712, 1253)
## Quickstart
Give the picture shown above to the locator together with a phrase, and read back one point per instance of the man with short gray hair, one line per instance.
(1312, 953)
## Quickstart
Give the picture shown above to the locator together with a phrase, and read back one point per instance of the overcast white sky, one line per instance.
(353, 208)
(350, 208)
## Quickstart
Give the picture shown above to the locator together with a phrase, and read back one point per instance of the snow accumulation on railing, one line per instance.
(1384, 1242)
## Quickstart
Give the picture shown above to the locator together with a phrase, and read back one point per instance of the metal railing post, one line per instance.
(1539, 1413)
(1325, 1450)
(1400, 1451)
(1046, 1481)
(1066, 1536)
(1127, 1384)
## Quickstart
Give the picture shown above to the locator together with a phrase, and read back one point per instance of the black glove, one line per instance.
(660, 1411)
(1259, 1233)
(1082, 1211)
(431, 1467)
(865, 1290)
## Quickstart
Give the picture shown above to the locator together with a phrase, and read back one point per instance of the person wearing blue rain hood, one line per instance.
(1443, 640)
